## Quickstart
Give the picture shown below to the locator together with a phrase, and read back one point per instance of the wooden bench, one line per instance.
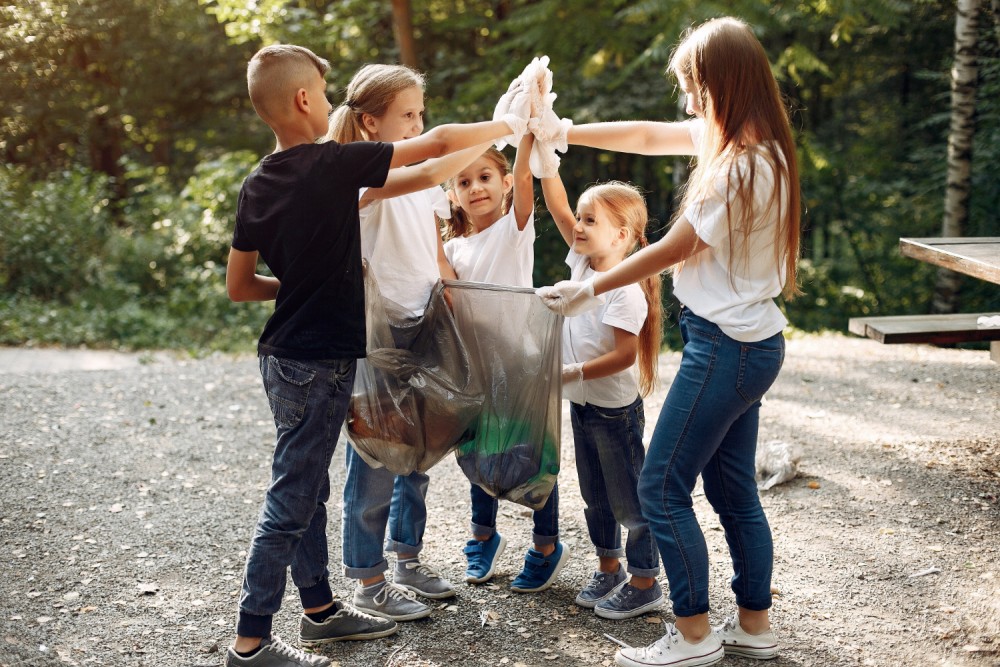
(934, 329)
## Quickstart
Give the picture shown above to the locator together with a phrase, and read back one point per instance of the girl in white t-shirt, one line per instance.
(734, 246)
(400, 240)
(491, 235)
(609, 363)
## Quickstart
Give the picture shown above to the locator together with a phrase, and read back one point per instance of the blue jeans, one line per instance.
(708, 426)
(308, 400)
(609, 456)
(484, 516)
(375, 498)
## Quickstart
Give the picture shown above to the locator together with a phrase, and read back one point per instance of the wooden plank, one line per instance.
(974, 256)
(941, 329)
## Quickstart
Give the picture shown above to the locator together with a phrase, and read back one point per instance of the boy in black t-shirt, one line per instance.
(298, 211)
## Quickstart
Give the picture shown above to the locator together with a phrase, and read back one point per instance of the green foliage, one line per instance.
(126, 131)
(52, 232)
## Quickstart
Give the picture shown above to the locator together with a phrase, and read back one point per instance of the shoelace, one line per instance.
(351, 610)
(395, 592)
(285, 651)
(663, 644)
(730, 624)
(425, 570)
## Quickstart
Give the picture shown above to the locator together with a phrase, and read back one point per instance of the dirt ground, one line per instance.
(128, 493)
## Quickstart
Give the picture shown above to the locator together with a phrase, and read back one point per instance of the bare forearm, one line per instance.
(607, 364)
(260, 288)
(640, 137)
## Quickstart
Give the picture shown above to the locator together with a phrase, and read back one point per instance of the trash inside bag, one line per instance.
(514, 343)
(416, 395)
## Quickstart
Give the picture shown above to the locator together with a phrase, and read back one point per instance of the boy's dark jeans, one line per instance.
(309, 402)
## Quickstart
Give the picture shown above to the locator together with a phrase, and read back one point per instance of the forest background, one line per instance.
(126, 132)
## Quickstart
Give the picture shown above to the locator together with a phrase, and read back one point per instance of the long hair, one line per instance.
(746, 120)
(459, 225)
(371, 90)
(626, 207)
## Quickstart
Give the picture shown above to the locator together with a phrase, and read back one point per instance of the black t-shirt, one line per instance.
(299, 210)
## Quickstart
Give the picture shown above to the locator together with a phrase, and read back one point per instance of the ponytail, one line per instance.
(370, 91)
(651, 334)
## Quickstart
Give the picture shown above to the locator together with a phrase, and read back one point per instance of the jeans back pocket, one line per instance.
(287, 385)
(759, 366)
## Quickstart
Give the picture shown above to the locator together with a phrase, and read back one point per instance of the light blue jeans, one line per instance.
(308, 400)
(708, 427)
(609, 457)
(375, 499)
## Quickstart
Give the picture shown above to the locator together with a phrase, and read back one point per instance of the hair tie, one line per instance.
(351, 104)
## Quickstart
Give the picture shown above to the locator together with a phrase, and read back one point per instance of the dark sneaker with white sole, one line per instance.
(629, 602)
(346, 624)
(600, 587)
(276, 653)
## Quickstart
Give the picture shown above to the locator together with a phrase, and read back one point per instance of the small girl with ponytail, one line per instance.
(602, 351)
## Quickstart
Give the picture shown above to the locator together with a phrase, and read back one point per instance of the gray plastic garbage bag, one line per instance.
(514, 342)
(416, 394)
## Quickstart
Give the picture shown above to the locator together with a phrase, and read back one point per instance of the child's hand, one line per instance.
(569, 298)
(572, 373)
(513, 108)
(551, 129)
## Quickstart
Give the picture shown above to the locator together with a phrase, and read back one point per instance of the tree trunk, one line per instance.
(964, 82)
(402, 24)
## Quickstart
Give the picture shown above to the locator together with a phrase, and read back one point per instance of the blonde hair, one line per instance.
(459, 224)
(274, 74)
(745, 117)
(372, 89)
(626, 207)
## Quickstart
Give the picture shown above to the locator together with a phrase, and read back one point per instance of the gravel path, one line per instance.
(128, 496)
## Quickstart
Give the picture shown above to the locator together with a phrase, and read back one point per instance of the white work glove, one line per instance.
(569, 298)
(543, 160)
(549, 128)
(572, 373)
(513, 108)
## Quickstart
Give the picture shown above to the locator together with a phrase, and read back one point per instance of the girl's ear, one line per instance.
(369, 123)
(508, 183)
(453, 198)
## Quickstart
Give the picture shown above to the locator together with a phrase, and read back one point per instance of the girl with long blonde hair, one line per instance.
(609, 364)
(733, 247)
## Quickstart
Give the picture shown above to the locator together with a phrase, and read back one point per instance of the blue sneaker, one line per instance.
(540, 571)
(482, 556)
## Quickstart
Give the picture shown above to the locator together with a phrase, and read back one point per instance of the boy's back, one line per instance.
(299, 210)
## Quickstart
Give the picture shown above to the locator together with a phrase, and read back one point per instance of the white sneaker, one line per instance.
(736, 641)
(672, 650)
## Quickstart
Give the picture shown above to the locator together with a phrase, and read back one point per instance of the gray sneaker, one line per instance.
(422, 580)
(391, 601)
(629, 602)
(600, 587)
(346, 623)
(276, 653)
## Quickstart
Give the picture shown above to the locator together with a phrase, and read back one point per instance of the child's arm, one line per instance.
(622, 357)
(243, 283)
(425, 175)
(524, 184)
(634, 136)
(445, 139)
(558, 206)
(444, 266)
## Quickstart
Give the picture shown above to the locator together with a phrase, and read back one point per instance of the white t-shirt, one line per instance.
(500, 254)
(591, 334)
(399, 238)
(741, 303)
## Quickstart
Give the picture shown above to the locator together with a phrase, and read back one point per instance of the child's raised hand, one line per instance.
(513, 108)
(551, 129)
(569, 298)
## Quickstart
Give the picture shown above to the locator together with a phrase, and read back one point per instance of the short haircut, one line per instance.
(276, 72)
